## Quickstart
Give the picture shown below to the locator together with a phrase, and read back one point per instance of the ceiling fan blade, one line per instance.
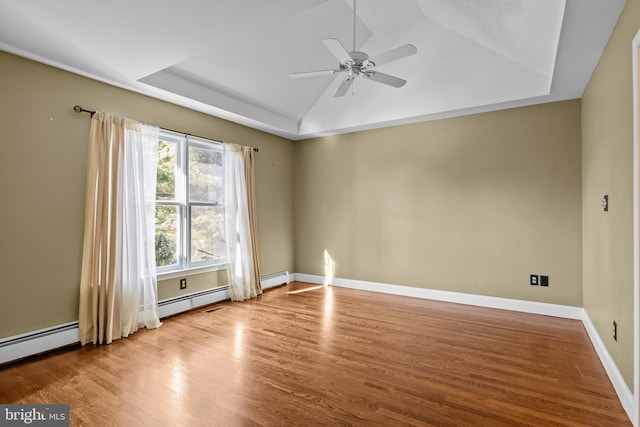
(313, 73)
(344, 86)
(394, 54)
(336, 48)
(384, 79)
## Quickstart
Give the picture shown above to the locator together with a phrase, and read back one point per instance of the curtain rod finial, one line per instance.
(79, 109)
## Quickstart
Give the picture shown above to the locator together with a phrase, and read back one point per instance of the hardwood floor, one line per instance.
(308, 355)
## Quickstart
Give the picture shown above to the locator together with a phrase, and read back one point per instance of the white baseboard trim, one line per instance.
(624, 393)
(577, 313)
(565, 311)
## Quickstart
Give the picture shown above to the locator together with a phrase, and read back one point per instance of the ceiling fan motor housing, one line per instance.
(359, 65)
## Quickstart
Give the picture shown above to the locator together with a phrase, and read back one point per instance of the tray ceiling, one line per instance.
(232, 58)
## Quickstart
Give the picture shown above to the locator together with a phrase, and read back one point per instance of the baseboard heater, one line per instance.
(276, 279)
(188, 302)
(43, 340)
(183, 303)
(36, 342)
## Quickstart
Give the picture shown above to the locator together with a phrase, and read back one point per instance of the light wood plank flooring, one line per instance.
(305, 355)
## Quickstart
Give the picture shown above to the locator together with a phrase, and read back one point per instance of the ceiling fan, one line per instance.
(357, 63)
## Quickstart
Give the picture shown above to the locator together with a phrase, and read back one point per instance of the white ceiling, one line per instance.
(232, 58)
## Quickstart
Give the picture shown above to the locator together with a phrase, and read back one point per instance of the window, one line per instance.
(189, 203)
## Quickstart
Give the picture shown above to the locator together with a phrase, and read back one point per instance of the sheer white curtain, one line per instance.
(118, 282)
(242, 269)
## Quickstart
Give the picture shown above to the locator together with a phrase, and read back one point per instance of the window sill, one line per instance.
(190, 272)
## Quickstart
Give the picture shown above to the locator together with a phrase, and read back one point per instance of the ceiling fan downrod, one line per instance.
(356, 63)
(354, 25)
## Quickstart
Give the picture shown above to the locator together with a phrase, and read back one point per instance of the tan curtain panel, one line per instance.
(118, 284)
(249, 173)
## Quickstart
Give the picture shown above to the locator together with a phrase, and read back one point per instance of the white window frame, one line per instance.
(185, 266)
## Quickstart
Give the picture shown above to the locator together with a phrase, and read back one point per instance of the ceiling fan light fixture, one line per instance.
(357, 63)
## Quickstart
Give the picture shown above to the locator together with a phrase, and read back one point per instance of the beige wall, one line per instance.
(607, 165)
(471, 204)
(42, 176)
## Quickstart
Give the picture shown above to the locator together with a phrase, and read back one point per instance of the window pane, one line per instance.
(167, 168)
(207, 233)
(205, 175)
(166, 235)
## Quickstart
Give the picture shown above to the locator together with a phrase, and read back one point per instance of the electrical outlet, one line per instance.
(533, 279)
(183, 283)
(544, 280)
(615, 331)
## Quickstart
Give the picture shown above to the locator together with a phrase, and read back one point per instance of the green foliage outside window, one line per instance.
(166, 216)
(205, 186)
(166, 180)
(204, 207)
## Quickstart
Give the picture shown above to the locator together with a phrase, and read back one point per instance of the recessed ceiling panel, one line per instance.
(256, 69)
(526, 31)
(453, 73)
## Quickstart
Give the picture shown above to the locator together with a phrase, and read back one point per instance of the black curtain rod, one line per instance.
(79, 109)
